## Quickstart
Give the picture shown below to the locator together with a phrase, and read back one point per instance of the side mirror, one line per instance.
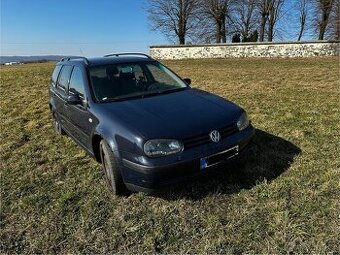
(74, 99)
(187, 80)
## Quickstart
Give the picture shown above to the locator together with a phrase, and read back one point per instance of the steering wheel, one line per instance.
(153, 86)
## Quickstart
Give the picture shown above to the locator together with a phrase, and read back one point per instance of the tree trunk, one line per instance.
(181, 23)
(270, 33)
(246, 32)
(323, 25)
(337, 27)
(223, 31)
(326, 7)
(181, 39)
(337, 20)
(218, 31)
(301, 33)
(322, 33)
(262, 27)
(303, 22)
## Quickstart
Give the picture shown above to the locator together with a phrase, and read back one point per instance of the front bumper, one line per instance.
(149, 175)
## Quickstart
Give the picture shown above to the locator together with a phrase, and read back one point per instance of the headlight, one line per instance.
(243, 121)
(162, 147)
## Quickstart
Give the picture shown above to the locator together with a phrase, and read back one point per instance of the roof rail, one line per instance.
(83, 58)
(127, 53)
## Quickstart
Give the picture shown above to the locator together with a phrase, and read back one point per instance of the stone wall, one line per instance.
(243, 50)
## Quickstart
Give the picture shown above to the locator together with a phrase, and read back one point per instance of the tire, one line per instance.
(57, 125)
(111, 170)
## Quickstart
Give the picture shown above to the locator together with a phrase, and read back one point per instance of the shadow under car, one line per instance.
(267, 157)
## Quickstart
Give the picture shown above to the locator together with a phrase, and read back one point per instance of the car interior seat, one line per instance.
(104, 86)
(127, 83)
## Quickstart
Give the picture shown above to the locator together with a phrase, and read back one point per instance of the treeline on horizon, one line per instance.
(219, 21)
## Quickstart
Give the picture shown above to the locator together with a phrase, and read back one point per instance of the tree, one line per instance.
(334, 23)
(263, 6)
(217, 11)
(274, 15)
(303, 7)
(174, 18)
(245, 18)
(323, 9)
(270, 11)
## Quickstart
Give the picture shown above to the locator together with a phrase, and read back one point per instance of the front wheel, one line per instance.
(111, 170)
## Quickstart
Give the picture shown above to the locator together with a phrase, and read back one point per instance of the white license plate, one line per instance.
(218, 157)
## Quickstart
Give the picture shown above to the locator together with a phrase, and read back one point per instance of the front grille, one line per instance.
(198, 140)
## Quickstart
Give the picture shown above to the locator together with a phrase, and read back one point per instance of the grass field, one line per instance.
(284, 199)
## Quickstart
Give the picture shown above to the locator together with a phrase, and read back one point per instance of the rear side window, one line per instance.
(77, 83)
(55, 75)
(64, 77)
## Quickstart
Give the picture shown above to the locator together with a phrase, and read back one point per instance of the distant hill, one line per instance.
(28, 59)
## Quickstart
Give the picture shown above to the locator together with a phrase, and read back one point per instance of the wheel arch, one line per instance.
(96, 138)
(52, 105)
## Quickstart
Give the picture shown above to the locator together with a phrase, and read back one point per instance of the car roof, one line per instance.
(106, 60)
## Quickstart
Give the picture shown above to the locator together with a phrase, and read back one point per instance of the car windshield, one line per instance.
(137, 80)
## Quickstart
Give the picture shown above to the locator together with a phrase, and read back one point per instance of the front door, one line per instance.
(78, 116)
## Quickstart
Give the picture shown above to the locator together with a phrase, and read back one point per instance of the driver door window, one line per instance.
(77, 84)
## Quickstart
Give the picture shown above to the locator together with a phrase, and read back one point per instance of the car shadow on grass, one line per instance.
(267, 158)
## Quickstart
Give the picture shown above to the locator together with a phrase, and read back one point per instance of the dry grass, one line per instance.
(54, 199)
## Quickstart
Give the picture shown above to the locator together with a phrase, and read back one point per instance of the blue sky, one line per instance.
(88, 27)
(80, 27)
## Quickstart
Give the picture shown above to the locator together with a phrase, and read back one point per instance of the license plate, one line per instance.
(218, 157)
(203, 163)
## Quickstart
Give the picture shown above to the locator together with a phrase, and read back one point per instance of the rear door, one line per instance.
(61, 94)
(78, 116)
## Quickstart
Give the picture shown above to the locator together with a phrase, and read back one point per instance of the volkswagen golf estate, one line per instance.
(146, 126)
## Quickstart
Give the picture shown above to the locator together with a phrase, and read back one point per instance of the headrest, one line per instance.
(111, 70)
(126, 75)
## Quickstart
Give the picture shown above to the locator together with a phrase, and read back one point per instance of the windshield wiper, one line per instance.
(110, 100)
(158, 92)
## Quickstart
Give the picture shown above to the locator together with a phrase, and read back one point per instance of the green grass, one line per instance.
(284, 199)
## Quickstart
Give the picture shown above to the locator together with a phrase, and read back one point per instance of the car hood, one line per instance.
(175, 115)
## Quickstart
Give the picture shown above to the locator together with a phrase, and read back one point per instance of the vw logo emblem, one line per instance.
(215, 136)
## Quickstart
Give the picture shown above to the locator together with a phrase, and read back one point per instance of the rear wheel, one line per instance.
(111, 170)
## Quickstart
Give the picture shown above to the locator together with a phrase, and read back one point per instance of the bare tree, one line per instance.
(216, 11)
(270, 12)
(303, 9)
(245, 17)
(334, 22)
(323, 12)
(275, 7)
(173, 18)
(263, 6)
(206, 31)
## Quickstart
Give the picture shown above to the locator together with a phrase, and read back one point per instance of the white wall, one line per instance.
(243, 50)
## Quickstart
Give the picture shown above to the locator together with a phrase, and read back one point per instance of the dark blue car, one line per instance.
(145, 124)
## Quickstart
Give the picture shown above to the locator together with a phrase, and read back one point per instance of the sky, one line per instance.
(77, 27)
(88, 27)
